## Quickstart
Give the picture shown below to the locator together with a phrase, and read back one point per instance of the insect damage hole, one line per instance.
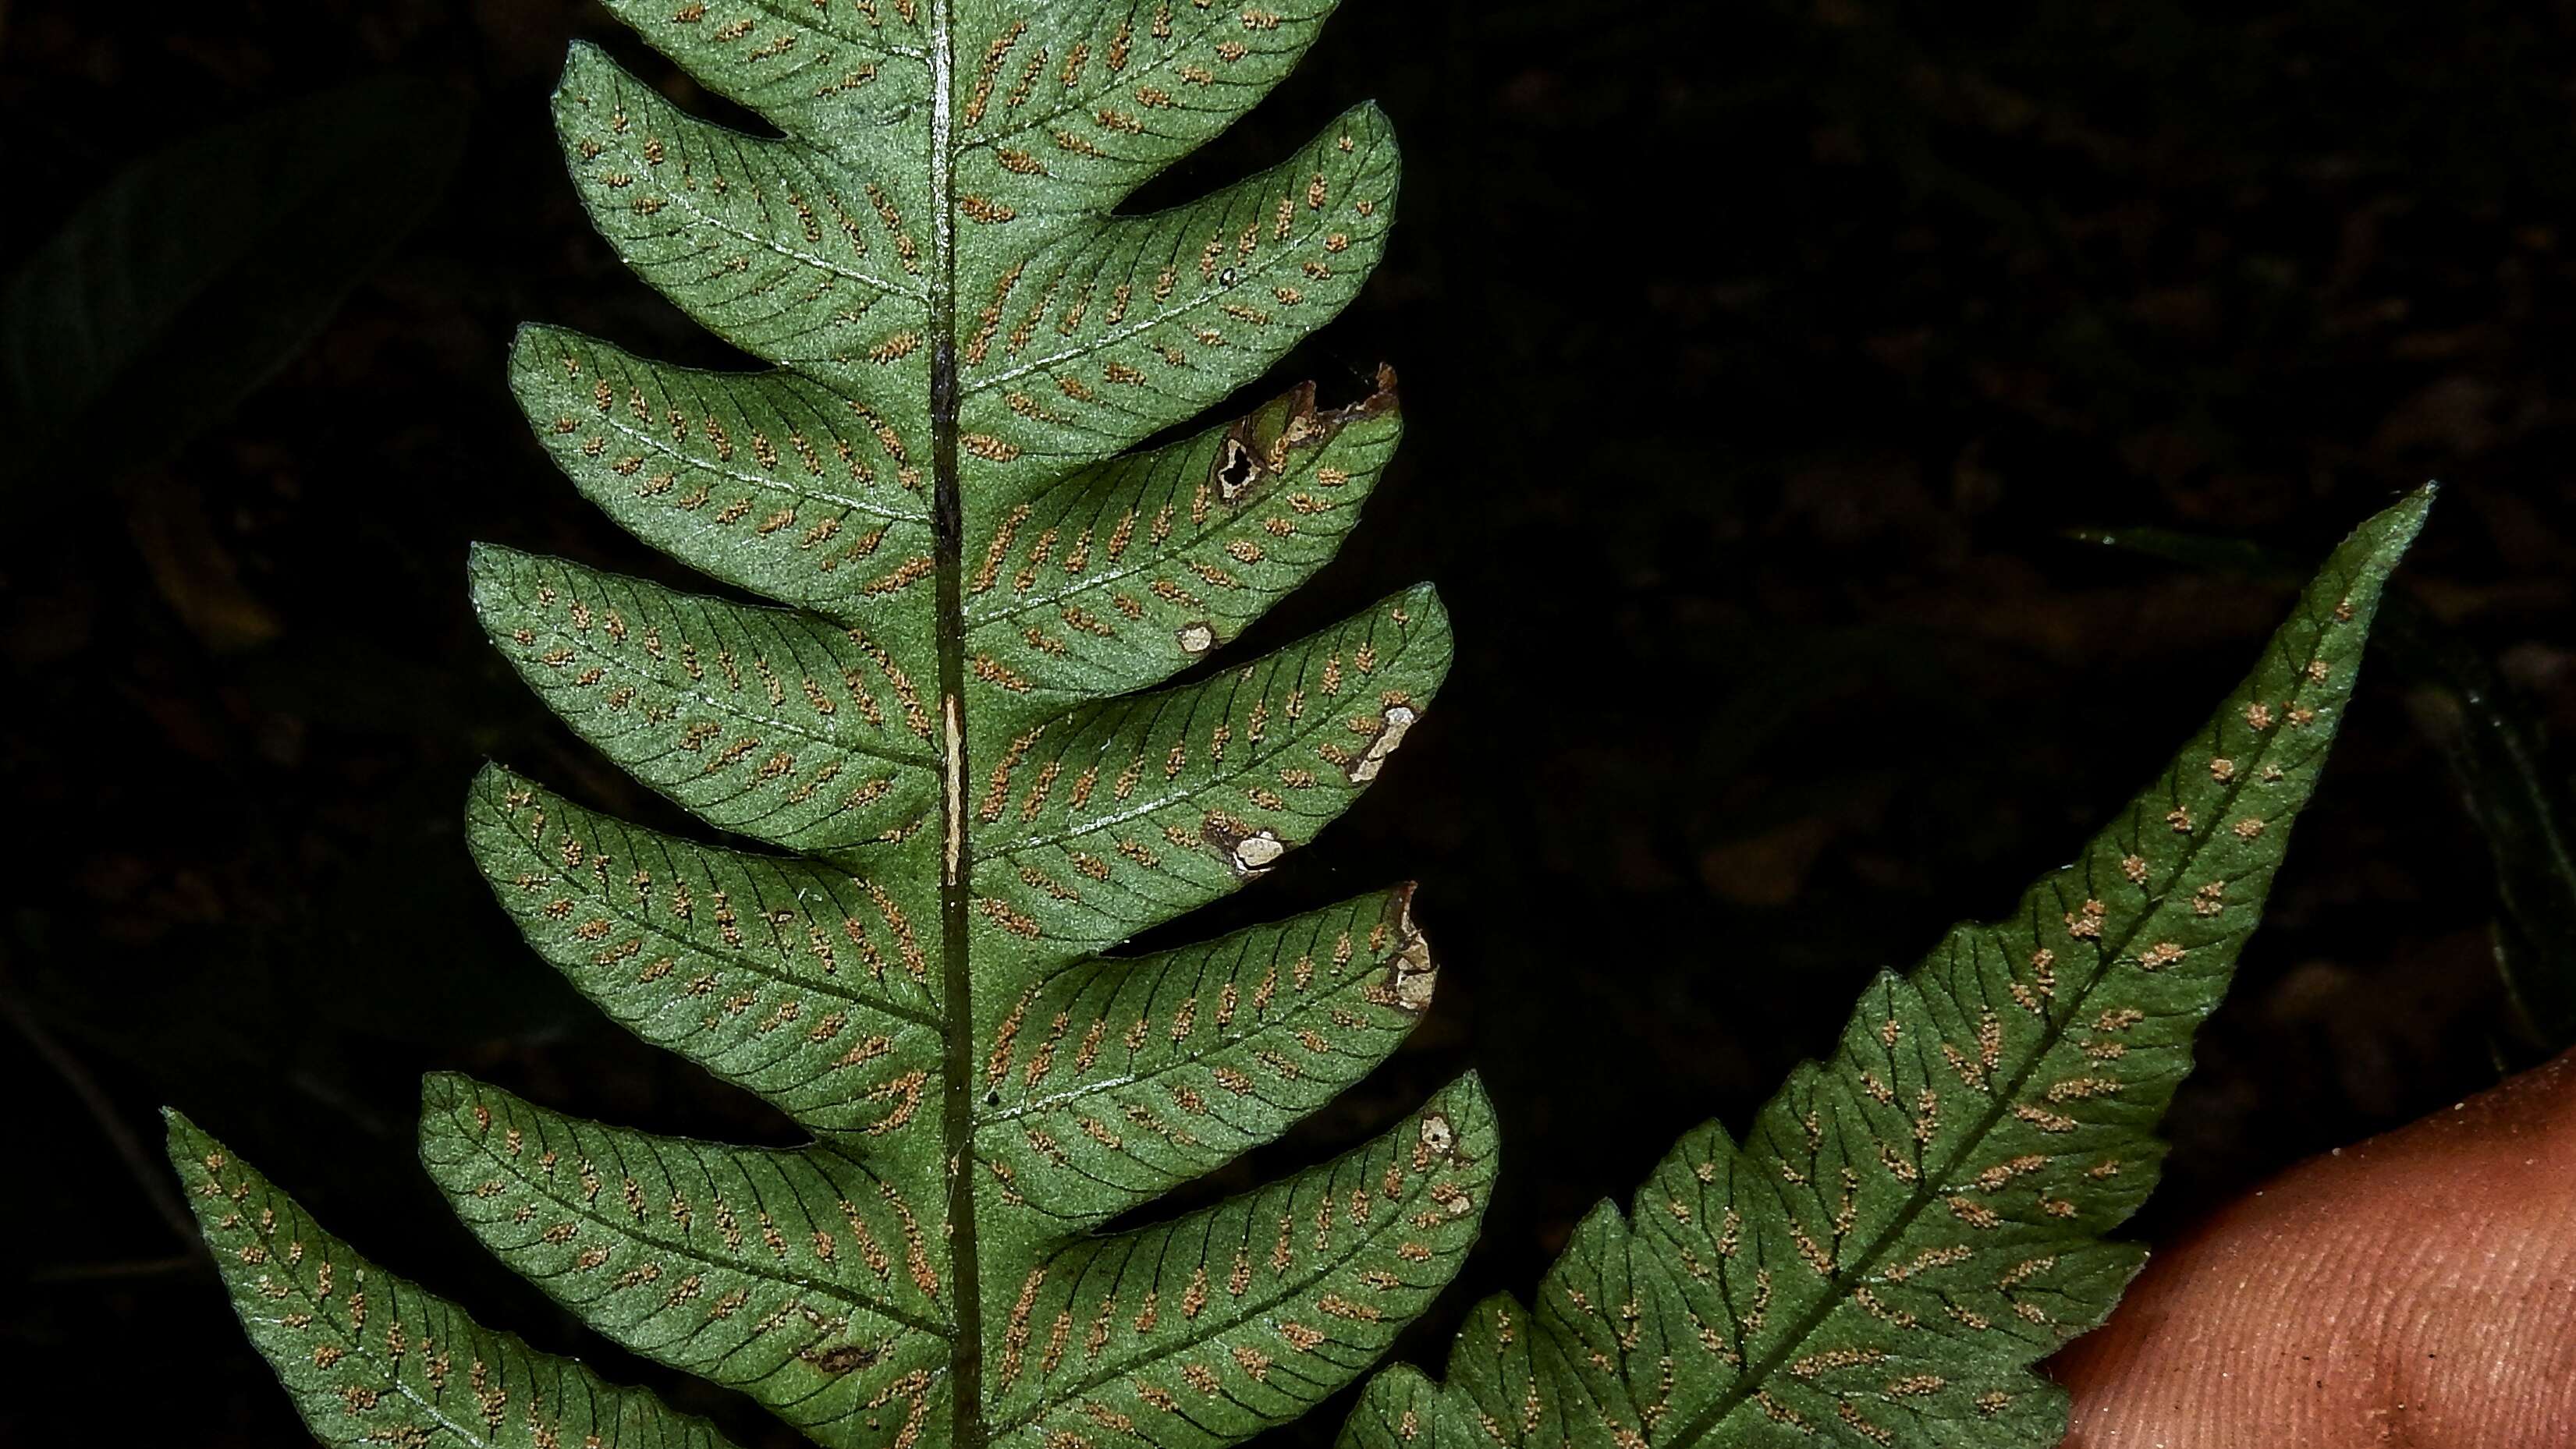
(1236, 469)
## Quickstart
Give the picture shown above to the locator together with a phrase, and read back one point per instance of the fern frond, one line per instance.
(964, 740)
(1912, 1223)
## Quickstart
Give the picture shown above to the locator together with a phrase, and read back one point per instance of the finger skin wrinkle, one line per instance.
(2418, 1290)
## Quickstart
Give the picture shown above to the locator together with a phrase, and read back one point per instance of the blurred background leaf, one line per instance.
(194, 274)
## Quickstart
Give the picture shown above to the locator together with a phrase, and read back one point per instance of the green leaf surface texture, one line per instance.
(975, 735)
(1912, 1223)
(370, 1359)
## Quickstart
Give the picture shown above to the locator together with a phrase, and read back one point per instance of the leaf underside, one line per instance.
(370, 1359)
(975, 739)
(1914, 1222)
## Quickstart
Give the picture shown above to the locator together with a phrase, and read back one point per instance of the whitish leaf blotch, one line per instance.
(1914, 1222)
(952, 763)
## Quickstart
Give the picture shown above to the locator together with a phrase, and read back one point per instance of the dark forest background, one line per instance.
(1757, 357)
